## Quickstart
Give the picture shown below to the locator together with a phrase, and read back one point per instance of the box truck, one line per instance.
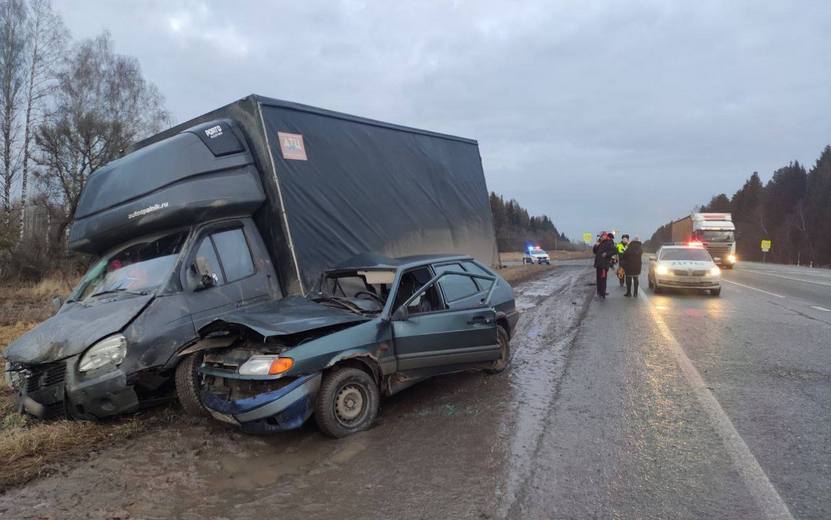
(246, 204)
(715, 231)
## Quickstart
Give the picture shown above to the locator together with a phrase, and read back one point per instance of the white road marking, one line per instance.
(812, 282)
(823, 309)
(754, 477)
(754, 288)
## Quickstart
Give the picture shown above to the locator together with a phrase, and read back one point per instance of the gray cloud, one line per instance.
(613, 114)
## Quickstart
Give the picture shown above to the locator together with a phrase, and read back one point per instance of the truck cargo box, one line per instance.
(322, 186)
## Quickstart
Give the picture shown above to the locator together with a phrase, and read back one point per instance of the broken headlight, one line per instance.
(265, 366)
(108, 351)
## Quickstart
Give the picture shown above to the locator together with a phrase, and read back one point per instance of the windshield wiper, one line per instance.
(343, 302)
(118, 290)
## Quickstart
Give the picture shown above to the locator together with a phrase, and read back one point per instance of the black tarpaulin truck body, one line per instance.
(337, 185)
(298, 188)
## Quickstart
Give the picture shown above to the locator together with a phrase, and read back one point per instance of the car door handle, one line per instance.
(484, 320)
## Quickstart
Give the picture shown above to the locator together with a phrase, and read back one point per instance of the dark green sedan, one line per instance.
(372, 326)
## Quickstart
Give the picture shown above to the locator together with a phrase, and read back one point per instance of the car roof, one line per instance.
(375, 261)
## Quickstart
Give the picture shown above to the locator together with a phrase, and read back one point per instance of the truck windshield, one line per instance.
(715, 235)
(138, 268)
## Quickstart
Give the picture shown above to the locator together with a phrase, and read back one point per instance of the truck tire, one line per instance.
(505, 352)
(715, 292)
(187, 385)
(347, 402)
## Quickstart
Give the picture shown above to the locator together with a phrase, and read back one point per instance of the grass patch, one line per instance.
(522, 273)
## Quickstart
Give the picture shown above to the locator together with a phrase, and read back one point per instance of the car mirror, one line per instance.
(206, 278)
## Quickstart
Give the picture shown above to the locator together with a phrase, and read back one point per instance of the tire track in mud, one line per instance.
(552, 310)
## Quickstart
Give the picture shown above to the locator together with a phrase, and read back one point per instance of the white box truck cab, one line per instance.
(243, 205)
(715, 231)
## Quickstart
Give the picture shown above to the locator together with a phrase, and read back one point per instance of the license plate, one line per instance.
(224, 417)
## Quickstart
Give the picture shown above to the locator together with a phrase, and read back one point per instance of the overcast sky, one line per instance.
(601, 114)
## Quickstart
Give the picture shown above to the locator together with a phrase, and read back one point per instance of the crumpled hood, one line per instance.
(74, 329)
(283, 317)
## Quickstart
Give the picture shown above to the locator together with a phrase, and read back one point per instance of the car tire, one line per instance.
(656, 289)
(341, 390)
(504, 352)
(715, 292)
(187, 381)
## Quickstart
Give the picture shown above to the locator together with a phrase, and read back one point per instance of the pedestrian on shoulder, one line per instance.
(621, 248)
(631, 261)
(604, 251)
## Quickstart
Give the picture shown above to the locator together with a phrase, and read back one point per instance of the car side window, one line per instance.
(411, 281)
(454, 286)
(206, 262)
(234, 254)
(472, 267)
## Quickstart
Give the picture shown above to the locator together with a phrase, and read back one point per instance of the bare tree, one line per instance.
(46, 37)
(12, 59)
(100, 105)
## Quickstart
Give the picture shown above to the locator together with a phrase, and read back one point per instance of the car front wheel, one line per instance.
(188, 383)
(347, 402)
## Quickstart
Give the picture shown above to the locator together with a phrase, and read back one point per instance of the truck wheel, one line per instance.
(347, 402)
(715, 292)
(504, 352)
(187, 385)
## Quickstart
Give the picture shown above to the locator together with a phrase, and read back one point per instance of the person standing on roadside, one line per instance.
(621, 248)
(603, 253)
(631, 261)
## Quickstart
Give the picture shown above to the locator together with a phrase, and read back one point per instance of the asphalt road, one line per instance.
(689, 406)
(665, 406)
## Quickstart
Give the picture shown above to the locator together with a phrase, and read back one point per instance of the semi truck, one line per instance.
(715, 231)
(243, 205)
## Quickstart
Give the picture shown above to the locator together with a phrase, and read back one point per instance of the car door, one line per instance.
(224, 254)
(432, 334)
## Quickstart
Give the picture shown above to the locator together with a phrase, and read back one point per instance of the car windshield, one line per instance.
(368, 284)
(138, 268)
(691, 254)
(715, 235)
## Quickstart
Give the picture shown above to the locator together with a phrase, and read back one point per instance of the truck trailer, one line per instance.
(246, 204)
(715, 231)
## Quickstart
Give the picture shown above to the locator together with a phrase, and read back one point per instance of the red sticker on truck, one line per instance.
(291, 145)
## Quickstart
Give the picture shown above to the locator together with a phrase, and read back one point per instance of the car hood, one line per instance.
(284, 317)
(75, 328)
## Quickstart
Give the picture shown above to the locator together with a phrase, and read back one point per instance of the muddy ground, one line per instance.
(457, 446)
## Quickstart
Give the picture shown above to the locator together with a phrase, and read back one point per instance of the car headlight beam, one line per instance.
(661, 270)
(108, 351)
(715, 271)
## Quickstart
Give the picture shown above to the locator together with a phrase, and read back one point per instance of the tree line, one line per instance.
(792, 210)
(516, 228)
(66, 108)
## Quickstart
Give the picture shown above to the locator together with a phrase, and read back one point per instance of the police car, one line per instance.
(686, 266)
(535, 255)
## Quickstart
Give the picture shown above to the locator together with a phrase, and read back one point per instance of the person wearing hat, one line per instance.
(604, 251)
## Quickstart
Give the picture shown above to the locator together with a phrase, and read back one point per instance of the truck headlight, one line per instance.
(731, 259)
(662, 270)
(265, 366)
(108, 351)
(715, 271)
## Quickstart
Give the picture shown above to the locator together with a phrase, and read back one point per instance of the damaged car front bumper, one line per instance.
(279, 409)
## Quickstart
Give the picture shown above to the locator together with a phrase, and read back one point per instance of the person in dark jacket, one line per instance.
(603, 253)
(631, 261)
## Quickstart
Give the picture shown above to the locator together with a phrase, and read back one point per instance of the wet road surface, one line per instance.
(668, 406)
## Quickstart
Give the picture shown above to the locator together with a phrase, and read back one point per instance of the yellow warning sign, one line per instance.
(766, 245)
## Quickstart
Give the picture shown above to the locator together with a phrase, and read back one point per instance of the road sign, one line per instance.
(766, 245)
(587, 238)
